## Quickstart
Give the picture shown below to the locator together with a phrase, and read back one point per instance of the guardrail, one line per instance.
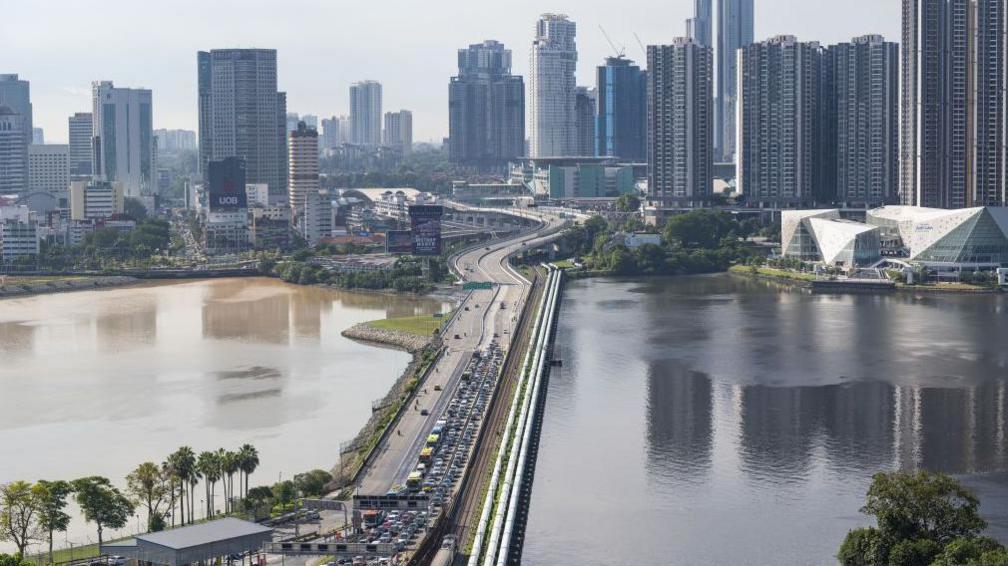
(330, 548)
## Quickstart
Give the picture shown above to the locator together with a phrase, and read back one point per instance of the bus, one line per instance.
(413, 481)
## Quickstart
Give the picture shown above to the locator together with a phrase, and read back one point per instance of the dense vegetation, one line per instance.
(109, 248)
(701, 241)
(923, 519)
(407, 275)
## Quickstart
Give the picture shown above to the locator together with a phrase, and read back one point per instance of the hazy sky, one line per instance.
(324, 46)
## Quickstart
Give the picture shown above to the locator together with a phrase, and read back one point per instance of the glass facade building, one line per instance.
(621, 126)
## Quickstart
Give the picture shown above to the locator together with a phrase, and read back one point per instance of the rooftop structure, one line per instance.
(822, 236)
(964, 237)
(197, 543)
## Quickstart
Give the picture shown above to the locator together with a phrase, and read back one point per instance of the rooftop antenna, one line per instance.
(618, 51)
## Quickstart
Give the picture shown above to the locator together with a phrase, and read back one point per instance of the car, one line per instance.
(437, 388)
(424, 412)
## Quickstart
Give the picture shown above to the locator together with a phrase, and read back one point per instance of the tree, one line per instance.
(18, 515)
(134, 208)
(102, 503)
(248, 461)
(51, 500)
(699, 228)
(920, 517)
(149, 485)
(13, 560)
(209, 467)
(312, 483)
(628, 203)
(258, 496)
(284, 492)
(182, 464)
(229, 466)
(978, 551)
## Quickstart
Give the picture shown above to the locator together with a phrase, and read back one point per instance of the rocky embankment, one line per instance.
(367, 333)
(15, 288)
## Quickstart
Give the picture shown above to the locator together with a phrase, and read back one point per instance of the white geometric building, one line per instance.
(966, 237)
(822, 236)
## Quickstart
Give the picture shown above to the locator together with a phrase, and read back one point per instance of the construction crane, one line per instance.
(618, 51)
(641, 43)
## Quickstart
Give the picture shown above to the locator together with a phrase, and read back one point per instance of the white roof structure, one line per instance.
(976, 235)
(836, 237)
(822, 235)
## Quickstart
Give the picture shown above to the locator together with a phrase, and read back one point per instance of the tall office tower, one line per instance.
(698, 28)
(38, 136)
(621, 126)
(398, 131)
(80, 144)
(366, 113)
(781, 121)
(311, 121)
(292, 122)
(680, 107)
(241, 114)
(13, 152)
(866, 78)
(486, 108)
(952, 146)
(48, 169)
(585, 109)
(304, 167)
(553, 61)
(734, 30)
(16, 94)
(123, 137)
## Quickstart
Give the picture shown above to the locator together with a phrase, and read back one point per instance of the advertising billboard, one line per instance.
(226, 180)
(425, 220)
(399, 242)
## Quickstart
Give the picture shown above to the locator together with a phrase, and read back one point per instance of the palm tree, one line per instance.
(183, 463)
(168, 469)
(248, 461)
(209, 467)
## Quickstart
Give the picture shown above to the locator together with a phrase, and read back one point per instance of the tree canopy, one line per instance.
(102, 503)
(922, 519)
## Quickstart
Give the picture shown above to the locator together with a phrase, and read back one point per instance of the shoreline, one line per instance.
(745, 271)
(60, 284)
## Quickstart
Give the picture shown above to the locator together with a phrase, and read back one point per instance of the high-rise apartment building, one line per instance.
(241, 114)
(680, 105)
(698, 28)
(783, 137)
(866, 82)
(621, 125)
(398, 132)
(174, 141)
(304, 167)
(48, 169)
(553, 60)
(13, 152)
(123, 137)
(366, 113)
(81, 128)
(335, 131)
(734, 30)
(585, 109)
(486, 108)
(952, 110)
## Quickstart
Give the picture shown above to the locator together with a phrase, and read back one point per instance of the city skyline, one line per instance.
(61, 75)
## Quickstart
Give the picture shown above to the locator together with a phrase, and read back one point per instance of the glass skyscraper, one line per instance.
(621, 126)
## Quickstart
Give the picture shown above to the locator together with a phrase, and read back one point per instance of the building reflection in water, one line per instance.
(259, 313)
(679, 420)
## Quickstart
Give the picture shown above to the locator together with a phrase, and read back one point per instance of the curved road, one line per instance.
(480, 319)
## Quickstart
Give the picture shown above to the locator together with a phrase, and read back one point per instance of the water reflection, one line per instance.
(759, 414)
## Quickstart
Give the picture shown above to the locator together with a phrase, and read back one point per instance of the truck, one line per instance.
(425, 455)
(413, 481)
(433, 440)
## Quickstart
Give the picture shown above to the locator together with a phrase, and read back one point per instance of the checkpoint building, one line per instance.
(202, 543)
(822, 236)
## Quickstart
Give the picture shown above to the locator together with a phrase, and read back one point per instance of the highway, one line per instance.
(480, 320)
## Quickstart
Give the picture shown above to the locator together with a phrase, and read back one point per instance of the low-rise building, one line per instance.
(95, 199)
(18, 239)
(960, 238)
(567, 178)
(822, 236)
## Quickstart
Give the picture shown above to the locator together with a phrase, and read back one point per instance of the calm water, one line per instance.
(97, 382)
(716, 420)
